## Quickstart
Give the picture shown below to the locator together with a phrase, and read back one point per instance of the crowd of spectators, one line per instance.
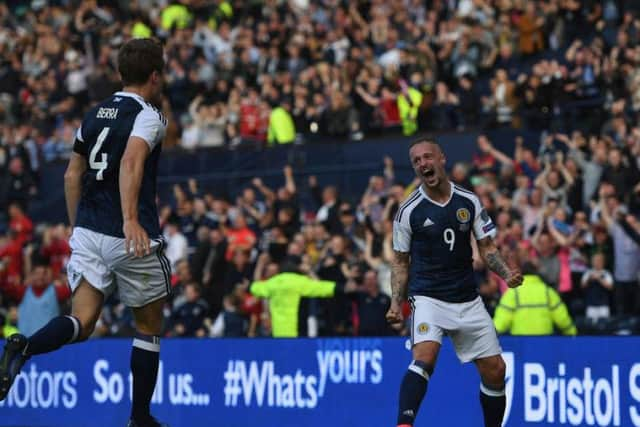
(238, 70)
(281, 71)
(571, 210)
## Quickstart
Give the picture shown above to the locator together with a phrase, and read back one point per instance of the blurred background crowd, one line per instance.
(261, 73)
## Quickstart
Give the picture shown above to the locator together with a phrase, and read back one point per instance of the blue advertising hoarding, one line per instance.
(319, 382)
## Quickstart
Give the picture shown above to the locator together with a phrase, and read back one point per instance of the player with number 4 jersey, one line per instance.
(433, 267)
(110, 191)
(102, 140)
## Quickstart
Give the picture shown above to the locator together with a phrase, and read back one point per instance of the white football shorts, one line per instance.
(468, 324)
(103, 261)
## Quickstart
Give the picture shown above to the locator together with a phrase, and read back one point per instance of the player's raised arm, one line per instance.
(131, 171)
(73, 184)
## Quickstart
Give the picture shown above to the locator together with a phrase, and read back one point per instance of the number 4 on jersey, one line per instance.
(102, 164)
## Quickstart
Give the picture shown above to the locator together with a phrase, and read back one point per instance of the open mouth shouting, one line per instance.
(430, 177)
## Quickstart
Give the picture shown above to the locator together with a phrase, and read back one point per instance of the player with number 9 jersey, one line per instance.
(438, 237)
(433, 266)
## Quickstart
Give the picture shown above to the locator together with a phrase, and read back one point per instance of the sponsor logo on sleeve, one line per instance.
(488, 227)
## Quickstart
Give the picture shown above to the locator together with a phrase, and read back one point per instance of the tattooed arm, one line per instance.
(494, 261)
(399, 276)
(399, 279)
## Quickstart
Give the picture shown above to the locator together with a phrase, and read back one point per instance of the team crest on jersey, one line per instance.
(423, 328)
(463, 215)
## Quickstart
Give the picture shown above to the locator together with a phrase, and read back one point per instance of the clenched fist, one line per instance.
(394, 315)
(515, 278)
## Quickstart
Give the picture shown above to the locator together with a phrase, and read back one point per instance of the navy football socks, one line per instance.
(145, 358)
(493, 403)
(59, 331)
(412, 391)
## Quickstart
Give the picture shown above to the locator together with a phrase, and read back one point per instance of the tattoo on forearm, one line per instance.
(496, 263)
(399, 276)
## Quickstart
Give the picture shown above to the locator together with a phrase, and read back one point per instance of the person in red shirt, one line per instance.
(39, 298)
(389, 108)
(10, 260)
(239, 237)
(55, 248)
(485, 159)
(250, 306)
(250, 116)
(20, 223)
(39, 281)
(524, 161)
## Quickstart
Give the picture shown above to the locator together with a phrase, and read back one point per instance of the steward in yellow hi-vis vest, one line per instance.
(532, 309)
(284, 291)
(409, 101)
(281, 127)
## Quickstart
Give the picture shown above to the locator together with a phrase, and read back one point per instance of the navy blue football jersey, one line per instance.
(438, 238)
(102, 140)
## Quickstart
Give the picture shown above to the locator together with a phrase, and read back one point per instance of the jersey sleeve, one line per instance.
(78, 144)
(149, 126)
(482, 225)
(402, 235)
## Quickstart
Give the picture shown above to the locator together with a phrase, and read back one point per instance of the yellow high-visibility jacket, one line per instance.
(409, 110)
(175, 14)
(534, 308)
(282, 130)
(284, 291)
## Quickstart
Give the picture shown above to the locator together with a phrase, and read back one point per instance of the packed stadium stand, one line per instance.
(536, 104)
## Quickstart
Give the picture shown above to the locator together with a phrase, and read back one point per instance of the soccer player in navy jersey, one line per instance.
(433, 267)
(110, 191)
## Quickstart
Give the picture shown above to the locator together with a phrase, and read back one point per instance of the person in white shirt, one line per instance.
(597, 284)
(177, 245)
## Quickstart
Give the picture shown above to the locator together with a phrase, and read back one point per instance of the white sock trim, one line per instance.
(146, 345)
(418, 370)
(491, 393)
(76, 328)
